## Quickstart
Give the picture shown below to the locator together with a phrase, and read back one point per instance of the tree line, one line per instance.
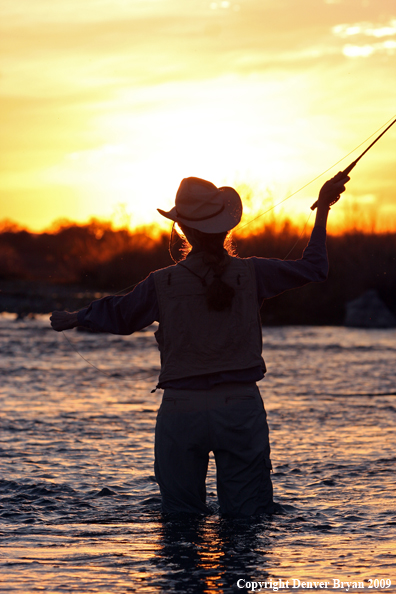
(97, 257)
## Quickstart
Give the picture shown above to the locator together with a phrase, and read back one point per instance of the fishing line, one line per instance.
(392, 120)
(346, 171)
(103, 372)
(368, 394)
(323, 172)
(299, 237)
(170, 248)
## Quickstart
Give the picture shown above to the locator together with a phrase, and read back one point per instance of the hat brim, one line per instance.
(226, 220)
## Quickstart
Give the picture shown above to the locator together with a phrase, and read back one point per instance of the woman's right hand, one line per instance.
(331, 191)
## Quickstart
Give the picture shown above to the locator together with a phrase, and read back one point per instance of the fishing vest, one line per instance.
(194, 340)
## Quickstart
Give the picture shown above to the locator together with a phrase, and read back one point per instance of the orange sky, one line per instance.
(107, 104)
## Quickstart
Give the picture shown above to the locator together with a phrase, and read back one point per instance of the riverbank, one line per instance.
(26, 298)
(69, 268)
(305, 306)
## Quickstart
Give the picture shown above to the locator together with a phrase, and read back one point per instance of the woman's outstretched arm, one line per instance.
(118, 315)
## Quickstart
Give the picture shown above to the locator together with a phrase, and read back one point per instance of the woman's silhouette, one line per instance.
(209, 337)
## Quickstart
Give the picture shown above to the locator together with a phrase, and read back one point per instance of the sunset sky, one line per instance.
(107, 104)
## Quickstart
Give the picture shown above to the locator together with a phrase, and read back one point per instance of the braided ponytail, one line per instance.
(216, 248)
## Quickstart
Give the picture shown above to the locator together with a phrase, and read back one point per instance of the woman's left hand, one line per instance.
(63, 320)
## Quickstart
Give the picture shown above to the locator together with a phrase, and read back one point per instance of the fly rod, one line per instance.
(352, 165)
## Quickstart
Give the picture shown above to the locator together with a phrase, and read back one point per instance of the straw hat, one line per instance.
(200, 205)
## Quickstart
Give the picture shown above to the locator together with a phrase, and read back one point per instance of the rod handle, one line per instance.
(345, 172)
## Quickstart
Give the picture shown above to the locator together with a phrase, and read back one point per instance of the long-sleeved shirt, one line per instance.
(139, 308)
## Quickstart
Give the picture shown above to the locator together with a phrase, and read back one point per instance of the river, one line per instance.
(79, 505)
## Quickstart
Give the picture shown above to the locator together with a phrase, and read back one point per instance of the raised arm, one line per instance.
(276, 276)
(329, 194)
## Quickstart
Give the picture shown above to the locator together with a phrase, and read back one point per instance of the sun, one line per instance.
(222, 135)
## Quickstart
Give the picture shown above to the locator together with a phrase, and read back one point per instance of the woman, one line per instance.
(209, 336)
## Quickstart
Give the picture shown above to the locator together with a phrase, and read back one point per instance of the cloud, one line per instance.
(366, 29)
(68, 58)
(361, 31)
(364, 51)
(73, 48)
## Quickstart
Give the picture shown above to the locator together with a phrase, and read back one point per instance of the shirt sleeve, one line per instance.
(275, 276)
(125, 314)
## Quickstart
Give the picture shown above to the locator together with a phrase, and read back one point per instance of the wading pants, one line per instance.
(228, 420)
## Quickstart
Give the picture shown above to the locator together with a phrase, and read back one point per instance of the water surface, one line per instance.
(79, 506)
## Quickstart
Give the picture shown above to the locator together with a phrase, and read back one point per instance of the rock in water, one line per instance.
(369, 311)
(105, 492)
